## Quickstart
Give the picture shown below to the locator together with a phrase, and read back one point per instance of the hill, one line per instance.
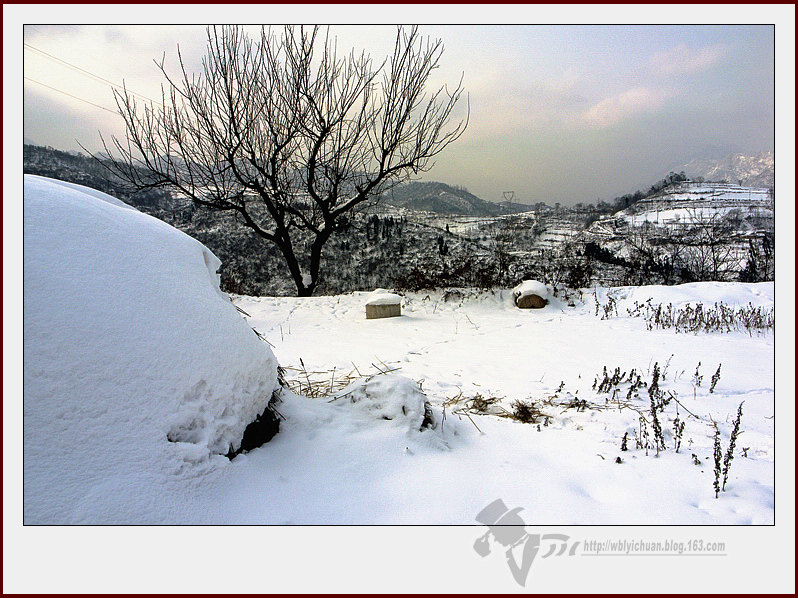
(750, 171)
(446, 199)
(74, 167)
(434, 235)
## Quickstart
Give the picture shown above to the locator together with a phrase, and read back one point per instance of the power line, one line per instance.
(70, 95)
(85, 72)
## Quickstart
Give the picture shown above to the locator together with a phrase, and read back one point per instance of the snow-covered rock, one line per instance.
(530, 293)
(383, 304)
(138, 370)
(531, 287)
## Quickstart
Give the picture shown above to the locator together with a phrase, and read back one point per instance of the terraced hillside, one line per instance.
(680, 232)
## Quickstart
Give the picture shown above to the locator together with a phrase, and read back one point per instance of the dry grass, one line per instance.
(316, 384)
(321, 384)
(465, 406)
(523, 411)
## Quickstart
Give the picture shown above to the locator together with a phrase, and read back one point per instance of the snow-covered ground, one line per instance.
(139, 374)
(688, 216)
(564, 472)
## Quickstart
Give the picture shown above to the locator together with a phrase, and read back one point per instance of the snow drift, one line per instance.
(137, 369)
(399, 400)
(362, 458)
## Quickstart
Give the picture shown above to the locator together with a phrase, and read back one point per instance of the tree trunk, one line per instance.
(296, 272)
(315, 258)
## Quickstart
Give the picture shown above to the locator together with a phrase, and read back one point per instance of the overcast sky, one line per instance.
(558, 113)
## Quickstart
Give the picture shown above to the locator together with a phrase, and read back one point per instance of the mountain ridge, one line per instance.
(747, 170)
(442, 198)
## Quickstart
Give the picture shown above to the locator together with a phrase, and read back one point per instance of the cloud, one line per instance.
(615, 109)
(683, 60)
(505, 103)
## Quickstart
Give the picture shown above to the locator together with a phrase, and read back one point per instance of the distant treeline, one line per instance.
(624, 201)
(85, 170)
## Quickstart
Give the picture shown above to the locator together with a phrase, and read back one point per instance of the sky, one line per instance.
(558, 113)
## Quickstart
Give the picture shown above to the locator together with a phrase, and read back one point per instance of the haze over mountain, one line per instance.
(747, 170)
(750, 171)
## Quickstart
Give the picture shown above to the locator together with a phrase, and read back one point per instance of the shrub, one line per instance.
(525, 411)
(717, 456)
(727, 459)
(715, 379)
(697, 318)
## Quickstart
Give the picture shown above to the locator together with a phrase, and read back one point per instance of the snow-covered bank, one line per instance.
(128, 344)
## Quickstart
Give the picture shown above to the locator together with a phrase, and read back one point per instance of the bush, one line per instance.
(416, 279)
(525, 411)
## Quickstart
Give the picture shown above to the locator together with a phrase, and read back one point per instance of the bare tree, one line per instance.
(701, 247)
(288, 135)
(708, 247)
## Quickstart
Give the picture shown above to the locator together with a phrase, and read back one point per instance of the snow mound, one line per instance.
(388, 397)
(393, 398)
(85, 190)
(732, 294)
(385, 299)
(531, 287)
(138, 369)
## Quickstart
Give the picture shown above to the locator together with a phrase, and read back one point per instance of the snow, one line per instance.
(531, 287)
(687, 216)
(692, 203)
(563, 474)
(80, 188)
(401, 401)
(128, 343)
(380, 297)
(708, 293)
